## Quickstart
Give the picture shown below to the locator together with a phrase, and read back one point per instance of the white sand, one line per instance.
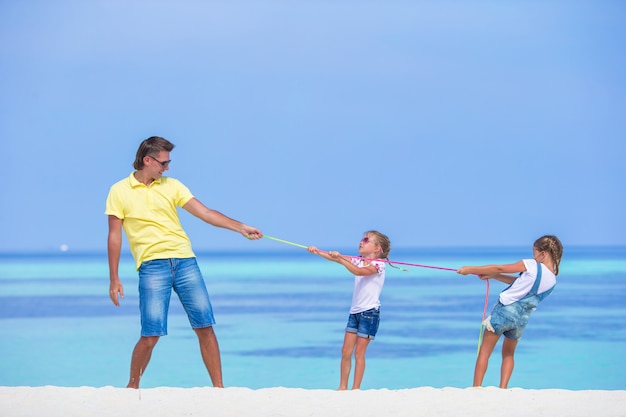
(274, 402)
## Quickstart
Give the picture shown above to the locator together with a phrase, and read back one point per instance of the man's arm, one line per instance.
(114, 248)
(217, 219)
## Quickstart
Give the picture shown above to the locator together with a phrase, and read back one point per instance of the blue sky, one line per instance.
(439, 123)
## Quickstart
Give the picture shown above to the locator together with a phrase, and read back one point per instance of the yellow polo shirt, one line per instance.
(150, 217)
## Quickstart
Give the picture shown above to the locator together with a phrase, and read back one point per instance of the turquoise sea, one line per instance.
(281, 318)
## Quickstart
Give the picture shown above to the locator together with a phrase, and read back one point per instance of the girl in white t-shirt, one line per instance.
(536, 280)
(369, 277)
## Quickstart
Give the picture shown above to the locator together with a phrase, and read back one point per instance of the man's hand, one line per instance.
(116, 289)
(251, 232)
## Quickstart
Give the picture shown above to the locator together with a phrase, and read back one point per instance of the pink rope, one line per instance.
(486, 301)
(403, 263)
(482, 322)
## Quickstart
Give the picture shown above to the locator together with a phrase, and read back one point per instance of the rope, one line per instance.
(366, 259)
(285, 241)
(482, 322)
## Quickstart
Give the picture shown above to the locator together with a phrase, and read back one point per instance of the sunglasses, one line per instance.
(366, 239)
(164, 164)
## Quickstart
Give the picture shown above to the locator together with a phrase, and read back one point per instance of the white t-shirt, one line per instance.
(524, 283)
(367, 288)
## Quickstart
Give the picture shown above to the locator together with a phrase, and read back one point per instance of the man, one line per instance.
(144, 205)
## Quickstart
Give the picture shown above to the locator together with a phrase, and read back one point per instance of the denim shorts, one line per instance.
(364, 324)
(509, 320)
(157, 278)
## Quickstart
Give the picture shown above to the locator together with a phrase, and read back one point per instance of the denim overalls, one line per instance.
(511, 319)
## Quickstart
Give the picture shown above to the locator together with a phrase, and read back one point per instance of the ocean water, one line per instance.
(281, 319)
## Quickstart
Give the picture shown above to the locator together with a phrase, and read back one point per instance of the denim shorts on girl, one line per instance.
(365, 323)
(509, 320)
(157, 279)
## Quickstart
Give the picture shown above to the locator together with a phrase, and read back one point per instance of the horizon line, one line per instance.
(455, 249)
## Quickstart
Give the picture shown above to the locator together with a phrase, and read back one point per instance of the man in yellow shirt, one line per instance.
(145, 205)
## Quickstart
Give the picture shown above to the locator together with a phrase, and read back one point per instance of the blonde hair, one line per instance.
(552, 245)
(385, 245)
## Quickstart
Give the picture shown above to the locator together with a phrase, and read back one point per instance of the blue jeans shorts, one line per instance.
(509, 320)
(157, 278)
(364, 324)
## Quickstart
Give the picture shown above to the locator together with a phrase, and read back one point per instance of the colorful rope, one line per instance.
(367, 259)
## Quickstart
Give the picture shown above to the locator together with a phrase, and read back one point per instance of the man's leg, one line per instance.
(210, 350)
(193, 294)
(139, 361)
(155, 288)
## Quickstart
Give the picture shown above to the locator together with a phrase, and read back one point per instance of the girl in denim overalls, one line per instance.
(536, 280)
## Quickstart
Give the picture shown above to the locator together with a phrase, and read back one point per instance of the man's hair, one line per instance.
(151, 146)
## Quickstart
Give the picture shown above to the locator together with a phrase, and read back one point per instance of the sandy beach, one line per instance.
(425, 401)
